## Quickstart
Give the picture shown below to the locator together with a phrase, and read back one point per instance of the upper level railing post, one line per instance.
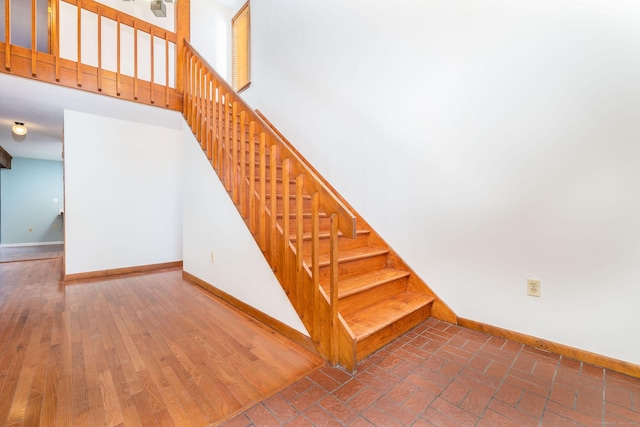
(7, 34)
(34, 40)
(79, 28)
(55, 35)
(183, 31)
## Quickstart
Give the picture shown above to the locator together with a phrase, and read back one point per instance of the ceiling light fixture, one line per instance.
(159, 8)
(19, 129)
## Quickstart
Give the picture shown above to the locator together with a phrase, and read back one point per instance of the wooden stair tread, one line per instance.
(364, 323)
(353, 285)
(324, 235)
(352, 255)
(293, 215)
(291, 196)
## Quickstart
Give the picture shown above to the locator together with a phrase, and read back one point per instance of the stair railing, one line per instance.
(241, 146)
(76, 53)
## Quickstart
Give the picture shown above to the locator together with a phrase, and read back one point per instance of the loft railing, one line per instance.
(90, 46)
(282, 200)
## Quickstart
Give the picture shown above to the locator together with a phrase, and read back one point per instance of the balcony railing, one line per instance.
(85, 44)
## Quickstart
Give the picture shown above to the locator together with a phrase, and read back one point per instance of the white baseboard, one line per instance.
(15, 245)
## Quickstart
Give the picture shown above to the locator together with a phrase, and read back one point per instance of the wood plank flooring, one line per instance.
(24, 253)
(143, 350)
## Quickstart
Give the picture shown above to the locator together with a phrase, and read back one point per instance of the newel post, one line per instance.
(183, 32)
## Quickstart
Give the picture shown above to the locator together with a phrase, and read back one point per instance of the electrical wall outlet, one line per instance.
(533, 287)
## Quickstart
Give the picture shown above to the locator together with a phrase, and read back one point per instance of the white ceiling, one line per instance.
(41, 107)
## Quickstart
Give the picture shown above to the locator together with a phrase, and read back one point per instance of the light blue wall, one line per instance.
(27, 193)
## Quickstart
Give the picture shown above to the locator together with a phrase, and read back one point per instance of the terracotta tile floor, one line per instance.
(440, 374)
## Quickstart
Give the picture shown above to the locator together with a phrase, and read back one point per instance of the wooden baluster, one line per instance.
(79, 65)
(55, 35)
(152, 64)
(204, 112)
(118, 55)
(315, 263)
(243, 163)
(135, 60)
(252, 176)
(286, 229)
(223, 133)
(7, 34)
(194, 95)
(203, 107)
(299, 235)
(166, 69)
(192, 60)
(234, 154)
(214, 123)
(198, 116)
(223, 124)
(186, 95)
(200, 106)
(99, 82)
(192, 91)
(333, 287)
(273, 207)
(34, 39)
(263, 191)
(209, 109)
(220, 129)
(227, 142)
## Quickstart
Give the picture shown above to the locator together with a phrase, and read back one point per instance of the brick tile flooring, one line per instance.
(440, 374)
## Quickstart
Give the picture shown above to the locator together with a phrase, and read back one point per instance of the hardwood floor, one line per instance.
(24, 253)
(143, 350)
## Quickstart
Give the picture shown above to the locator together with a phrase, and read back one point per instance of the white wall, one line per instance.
(211, 34)
(212, 224)
(488, 141)
(142, 10)
(123, 193)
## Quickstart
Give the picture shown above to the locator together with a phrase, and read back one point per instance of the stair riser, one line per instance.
(306, 204)
(368, 297)
(307, 223)
(267, 171)
(343, 245)
(384, 336)
(354, 268)
(279, 186)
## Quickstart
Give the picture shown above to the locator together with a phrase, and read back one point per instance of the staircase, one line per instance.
(351, 290)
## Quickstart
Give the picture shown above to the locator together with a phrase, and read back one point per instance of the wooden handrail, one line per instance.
(221, 121)
(330, 201)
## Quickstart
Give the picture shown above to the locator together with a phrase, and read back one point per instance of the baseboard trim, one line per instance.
(121, 272)
(19, 245)
(561, 349)
(283, 329)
